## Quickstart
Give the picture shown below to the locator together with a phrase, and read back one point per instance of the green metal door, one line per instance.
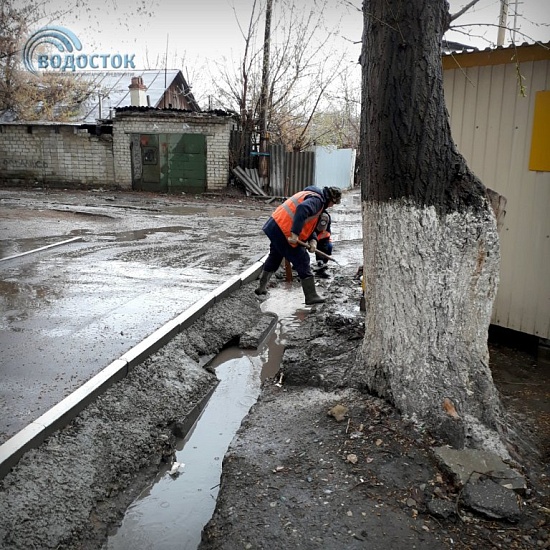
(173, 163)
(183, 164)
(150, 162)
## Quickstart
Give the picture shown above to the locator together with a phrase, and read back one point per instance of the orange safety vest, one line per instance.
(321, 228)
(323, 235)
(284, 215)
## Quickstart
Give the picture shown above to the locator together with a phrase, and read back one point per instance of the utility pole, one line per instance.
(263, 163)
(502, 20)
(516, 7)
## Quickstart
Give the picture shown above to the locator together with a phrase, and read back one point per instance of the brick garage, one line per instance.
(134, 121)
(88, 156)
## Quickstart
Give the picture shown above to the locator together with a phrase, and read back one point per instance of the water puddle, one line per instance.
(156, 518)
(172, 511)
(140, 234)
(217, 211)
(15, 249)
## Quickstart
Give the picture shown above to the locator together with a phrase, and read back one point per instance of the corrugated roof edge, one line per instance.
(215, 112)
(518, 54)
(512, 47)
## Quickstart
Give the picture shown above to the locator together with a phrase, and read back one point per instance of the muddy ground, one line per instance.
(67, 493)
(139, 261)
(294, 476)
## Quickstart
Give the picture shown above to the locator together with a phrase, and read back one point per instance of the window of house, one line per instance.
(539, 159)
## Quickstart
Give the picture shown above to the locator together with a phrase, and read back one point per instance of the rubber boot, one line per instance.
(322, 272)
(264, 279)
(308, 286)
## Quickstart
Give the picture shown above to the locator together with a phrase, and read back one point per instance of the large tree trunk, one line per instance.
(431, 246)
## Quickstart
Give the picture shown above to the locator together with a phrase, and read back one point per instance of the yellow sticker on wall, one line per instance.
(539, 159)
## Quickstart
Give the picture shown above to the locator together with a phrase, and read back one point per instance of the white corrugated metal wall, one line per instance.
(492, 125)
(334, 167)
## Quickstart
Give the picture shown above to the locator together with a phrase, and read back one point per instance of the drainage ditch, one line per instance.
(173, 509)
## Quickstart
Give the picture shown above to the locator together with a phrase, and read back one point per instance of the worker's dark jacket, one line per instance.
(312, 205)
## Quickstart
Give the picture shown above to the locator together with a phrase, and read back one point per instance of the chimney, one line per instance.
(137, 92)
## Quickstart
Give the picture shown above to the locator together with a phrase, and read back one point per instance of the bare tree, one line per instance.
(338, 123)
(24, 95)
(48, 95)
(506, 26)
(13, 25)
(302, 68)
(431, 247)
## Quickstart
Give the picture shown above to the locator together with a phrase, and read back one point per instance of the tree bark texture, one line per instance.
(431, 247)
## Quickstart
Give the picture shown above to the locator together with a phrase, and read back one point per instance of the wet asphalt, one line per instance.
(126, 265)
(87, 275)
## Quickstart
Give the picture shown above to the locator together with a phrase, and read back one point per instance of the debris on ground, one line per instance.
(352, 473)
(313, 466)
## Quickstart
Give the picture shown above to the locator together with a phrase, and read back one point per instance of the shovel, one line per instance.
(322, 254)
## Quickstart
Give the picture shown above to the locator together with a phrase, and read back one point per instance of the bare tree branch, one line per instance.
(303, 66)
(458, 28)
(464, 10)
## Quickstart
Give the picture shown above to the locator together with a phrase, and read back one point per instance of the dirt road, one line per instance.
(139, 261)
(295, 476)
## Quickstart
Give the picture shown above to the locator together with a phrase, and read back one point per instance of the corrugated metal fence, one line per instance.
(290, 172)
(277, 178)
(321, 166)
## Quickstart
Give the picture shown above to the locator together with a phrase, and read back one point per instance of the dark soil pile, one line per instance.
(316, 468)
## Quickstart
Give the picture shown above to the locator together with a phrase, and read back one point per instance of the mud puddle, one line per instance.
(216, 211)
(172, 511)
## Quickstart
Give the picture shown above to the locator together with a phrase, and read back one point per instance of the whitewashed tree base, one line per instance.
(430, 284)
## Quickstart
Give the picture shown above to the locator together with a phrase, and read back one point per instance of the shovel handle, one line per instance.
(322, 254)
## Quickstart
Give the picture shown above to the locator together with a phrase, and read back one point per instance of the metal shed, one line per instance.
(498, 123)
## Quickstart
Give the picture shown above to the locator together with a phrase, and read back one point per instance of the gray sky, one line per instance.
(531, 17)
(208, 28)
(206, 31)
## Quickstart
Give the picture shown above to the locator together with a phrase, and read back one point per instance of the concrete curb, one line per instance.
(61, 414)
(41, 249)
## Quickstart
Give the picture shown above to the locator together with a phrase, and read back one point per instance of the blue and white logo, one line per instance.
(67, 44)
(63, 39)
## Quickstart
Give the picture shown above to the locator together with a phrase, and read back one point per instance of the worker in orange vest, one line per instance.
(296, 219)
(324, 244)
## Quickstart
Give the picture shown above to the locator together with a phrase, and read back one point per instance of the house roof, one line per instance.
(113, 88)
(111, 92)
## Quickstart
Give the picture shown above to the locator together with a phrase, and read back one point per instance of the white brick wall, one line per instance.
(55, 155)
(71, 157)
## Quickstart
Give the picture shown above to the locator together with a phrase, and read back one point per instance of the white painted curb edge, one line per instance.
(41, 249)
(61, 414)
